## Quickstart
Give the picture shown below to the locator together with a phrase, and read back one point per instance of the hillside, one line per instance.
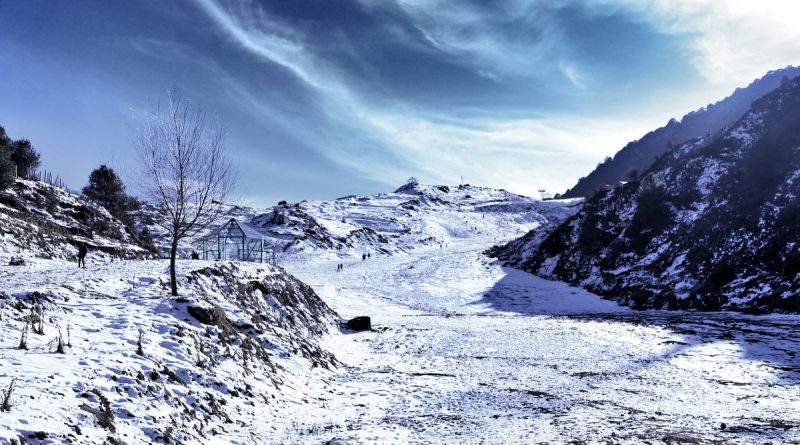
(640, 154)
(413, 217)
(711, 225)
(40, 220)
(235, 359)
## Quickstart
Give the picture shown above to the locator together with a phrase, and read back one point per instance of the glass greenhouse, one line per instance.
(234, 242)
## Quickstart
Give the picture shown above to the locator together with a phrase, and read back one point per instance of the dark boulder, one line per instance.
(16, 262)
(362, 323)
(213, 316)
(203, 315)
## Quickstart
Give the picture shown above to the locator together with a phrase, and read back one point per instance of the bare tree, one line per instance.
(187, 172)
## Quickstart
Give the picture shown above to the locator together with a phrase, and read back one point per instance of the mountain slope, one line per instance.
(414, 216)
(235, 359)
(640, 154)
(711, 225)
(40, 220)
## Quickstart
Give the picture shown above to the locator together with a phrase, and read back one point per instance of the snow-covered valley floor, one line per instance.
(466, 351)
(463, 351)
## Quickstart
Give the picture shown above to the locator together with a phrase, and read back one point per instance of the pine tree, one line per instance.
(6, 169)
(4, 139)
(24, 156)
(107, 189)
(6, 166)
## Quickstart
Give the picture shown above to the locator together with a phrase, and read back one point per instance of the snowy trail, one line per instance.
(466, 351)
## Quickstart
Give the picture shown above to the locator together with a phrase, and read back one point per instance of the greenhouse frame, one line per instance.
(234, 242)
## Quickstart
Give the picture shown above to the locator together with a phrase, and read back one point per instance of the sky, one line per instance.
(327, 98)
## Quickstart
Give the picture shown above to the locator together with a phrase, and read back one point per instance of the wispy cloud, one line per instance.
(387, 140)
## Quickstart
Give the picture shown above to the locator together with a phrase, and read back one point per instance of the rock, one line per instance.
(214, 316)
(203, 315)
(362, 323)
(16, 262)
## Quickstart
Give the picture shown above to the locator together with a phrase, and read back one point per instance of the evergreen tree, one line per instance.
(24, 156)
(146, 239)
(5, 141)
(107, 189)
(6, 169)
(6, 166)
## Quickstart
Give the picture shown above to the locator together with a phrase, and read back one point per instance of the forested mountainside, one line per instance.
(711, 225)
(640, 154)
(38, 219)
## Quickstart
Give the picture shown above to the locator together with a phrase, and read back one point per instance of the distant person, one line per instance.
(195, 256)
(363, 256)
(369, 255)
(82, 251)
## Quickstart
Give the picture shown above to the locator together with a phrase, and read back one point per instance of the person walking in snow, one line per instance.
(82, 251)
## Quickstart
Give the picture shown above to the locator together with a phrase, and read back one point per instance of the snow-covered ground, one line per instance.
(192, 383)
(463, 351)
(466, 351)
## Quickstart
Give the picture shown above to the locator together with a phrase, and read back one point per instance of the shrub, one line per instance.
(653, 214)
(5, 405)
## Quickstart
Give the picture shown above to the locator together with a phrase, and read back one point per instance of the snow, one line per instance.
(100, 311)
(748, 128)
(463, 349)
(467, 351)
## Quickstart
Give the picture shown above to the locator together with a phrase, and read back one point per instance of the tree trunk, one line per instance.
(173, 279)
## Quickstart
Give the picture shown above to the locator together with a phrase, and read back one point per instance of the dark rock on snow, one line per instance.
(362, 323)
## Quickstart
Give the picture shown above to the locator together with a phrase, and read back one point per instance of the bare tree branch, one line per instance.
(186, 169)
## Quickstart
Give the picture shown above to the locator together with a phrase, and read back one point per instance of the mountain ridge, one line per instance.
(640, 154)
(709, 226)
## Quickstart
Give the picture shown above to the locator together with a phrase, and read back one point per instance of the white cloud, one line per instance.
(520, 155)
(388, 141)
(733, 41)
(480, 39)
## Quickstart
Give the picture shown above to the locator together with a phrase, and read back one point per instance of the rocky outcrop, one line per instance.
(711, 225)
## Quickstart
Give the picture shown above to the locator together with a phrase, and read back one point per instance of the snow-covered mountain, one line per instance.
(412, 217)
(641, 153)
(40, 220)
(711, 225)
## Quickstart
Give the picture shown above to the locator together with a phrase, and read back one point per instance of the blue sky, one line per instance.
(325, 98)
